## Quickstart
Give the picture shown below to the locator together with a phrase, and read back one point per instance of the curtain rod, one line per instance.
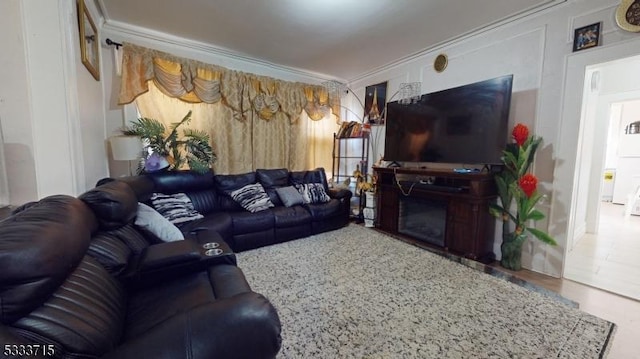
(116, 44)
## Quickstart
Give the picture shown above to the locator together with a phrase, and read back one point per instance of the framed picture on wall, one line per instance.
(586, 37)
(88, 41)
(374, 102)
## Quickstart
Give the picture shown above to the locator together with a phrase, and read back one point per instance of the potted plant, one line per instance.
(172, 151)
(518, 195)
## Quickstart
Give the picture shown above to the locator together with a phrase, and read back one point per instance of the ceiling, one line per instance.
(342, 39)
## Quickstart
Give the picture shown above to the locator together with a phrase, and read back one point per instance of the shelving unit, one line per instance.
(348, 154)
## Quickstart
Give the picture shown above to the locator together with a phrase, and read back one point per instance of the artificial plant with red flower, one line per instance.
(520, 134)
(515, 184)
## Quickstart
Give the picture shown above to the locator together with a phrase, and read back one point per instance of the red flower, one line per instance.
(528, 183)
(520, 133)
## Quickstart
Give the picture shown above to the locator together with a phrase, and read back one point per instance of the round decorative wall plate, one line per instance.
(441, 62)
(628, 15)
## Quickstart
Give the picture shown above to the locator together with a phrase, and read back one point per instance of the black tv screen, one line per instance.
(461, 125)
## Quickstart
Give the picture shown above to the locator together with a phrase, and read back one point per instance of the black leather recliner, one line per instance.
(58, 298)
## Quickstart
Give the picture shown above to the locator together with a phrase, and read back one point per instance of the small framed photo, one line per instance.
(586, 37)
(374, 102)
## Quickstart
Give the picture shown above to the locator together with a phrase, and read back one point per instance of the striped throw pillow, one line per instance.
(252, 197)
(313, 192)
(177, 207)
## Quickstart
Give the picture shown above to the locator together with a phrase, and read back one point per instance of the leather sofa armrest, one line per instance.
(168, 254)
(203, 235)
(340, 193)
(243, 326)
(165, 261)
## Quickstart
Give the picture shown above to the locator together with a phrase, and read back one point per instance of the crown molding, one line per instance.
(131, 31)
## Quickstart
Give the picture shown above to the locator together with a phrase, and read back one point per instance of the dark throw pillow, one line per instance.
(289, 196)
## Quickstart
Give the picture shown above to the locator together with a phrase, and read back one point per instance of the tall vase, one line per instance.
(512, 251)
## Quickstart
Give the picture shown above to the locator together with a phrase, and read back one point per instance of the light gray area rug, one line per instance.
(357, 293)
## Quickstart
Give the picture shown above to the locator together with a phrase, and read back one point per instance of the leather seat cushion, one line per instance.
(321, 211)
(291, 216)
(247, 222)
(154, 305)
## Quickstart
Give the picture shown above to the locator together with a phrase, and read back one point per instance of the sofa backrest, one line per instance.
(210, 193)
(225, 184)
(272, 179)
(39, 247)
(199, 187)
(115, 205)
(317, 175)
(50, 290)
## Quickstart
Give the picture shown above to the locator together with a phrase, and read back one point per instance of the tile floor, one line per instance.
(610, 259)
(622, 311)
(598, 267)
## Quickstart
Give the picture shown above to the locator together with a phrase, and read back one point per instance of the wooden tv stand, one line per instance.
(469, 228)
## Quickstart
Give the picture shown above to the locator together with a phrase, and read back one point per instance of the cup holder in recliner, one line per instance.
(213, 252)
(211, 249)
(211, 245)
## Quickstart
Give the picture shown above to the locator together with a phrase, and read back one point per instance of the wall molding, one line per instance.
(540, 9)
(163, 38)
(68, 14)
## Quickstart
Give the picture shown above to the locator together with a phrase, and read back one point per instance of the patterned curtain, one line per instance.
(253, 121)
(195, 82)
(243, 146)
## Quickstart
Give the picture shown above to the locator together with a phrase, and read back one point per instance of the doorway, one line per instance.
(603, 248)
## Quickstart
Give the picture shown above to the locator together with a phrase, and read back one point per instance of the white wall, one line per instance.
(91, 97)
(628, 164)
(15, 110)
(535, 50)
(51, 108)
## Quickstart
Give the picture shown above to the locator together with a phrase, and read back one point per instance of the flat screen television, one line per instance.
(463, 125)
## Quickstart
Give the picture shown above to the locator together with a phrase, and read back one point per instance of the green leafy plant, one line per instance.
(191, 149)
(515, 184)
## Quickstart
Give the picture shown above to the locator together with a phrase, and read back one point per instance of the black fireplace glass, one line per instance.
(423, 219)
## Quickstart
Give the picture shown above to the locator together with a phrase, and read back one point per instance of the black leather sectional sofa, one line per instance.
(241, 229)
(79, 280)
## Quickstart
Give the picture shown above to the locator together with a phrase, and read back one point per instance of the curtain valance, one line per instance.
(194, 81)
